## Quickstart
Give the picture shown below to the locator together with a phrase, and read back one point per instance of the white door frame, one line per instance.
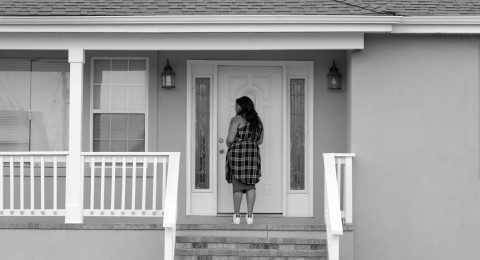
(204, 201)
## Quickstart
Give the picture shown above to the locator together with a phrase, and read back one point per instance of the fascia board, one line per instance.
(438, 25)
(214, 23)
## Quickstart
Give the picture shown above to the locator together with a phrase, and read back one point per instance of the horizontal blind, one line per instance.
(50, 105)
(14, 105)
(34, 110)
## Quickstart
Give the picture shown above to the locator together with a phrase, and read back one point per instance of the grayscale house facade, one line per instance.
(106, 154)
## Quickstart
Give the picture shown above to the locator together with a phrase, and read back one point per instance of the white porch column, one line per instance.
(74, 181)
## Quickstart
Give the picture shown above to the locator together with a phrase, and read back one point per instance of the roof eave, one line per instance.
(243, 24)
(203, 23)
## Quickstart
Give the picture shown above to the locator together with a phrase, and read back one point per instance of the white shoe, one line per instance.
(236, 220)
(249, 220)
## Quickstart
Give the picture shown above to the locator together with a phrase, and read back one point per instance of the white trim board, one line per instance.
(204, 202)
(199, 23)
(182, 41)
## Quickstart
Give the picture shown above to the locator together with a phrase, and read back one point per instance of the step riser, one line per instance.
(250, 242)
(249, 246)
(254, 233)
(250, 253)
(247, 258)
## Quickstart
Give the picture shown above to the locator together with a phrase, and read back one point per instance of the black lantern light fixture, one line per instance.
(168, 77)
(334, 78)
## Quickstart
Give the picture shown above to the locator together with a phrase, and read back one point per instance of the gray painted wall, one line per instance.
(415, 130)
(81, 244)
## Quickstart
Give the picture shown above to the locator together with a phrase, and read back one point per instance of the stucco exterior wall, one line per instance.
(415, 131)
(82, 244)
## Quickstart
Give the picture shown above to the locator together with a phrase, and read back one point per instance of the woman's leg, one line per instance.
(250, 201)
(237, 201)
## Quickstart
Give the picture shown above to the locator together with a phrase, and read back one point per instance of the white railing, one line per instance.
(119, 184)
(125, 184)
(171, 205)
(338, 184)
(32, 183)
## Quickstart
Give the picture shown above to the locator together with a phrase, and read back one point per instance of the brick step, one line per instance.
(255, 230)
(317, 254)
(247, 258)
(235, 247)
(249, 240)
(255, 242)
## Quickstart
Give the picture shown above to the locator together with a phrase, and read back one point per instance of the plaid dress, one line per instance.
(243, 156)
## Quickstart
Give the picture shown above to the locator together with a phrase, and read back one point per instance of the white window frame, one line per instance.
(100, 111)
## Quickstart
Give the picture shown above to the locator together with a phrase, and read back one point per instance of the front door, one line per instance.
(264, 85)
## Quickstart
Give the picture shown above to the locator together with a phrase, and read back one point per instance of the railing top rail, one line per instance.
(332, 196)
(344, 154)
(32, 153)
(128, 153)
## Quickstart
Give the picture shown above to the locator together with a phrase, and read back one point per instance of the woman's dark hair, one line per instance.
(248, 111)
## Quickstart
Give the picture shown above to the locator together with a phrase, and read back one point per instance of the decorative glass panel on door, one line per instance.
(297, 134)
(202, 133)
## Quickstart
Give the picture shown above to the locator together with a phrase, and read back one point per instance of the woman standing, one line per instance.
(243, 167)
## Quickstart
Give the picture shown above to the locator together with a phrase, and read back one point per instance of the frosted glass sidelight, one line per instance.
(202, 133)
(297, 134)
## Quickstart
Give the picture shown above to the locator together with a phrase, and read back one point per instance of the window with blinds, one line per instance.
(119, 104)
(34, 105)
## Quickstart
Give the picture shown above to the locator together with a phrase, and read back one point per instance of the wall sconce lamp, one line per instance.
(168, 77)
(334, 78)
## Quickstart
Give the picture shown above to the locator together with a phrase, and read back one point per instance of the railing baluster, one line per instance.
(11, 183)
(338, 163)
(102, 185)
(14, 170)
(144, 183)
(348, 194)
(92, 183)
(22, 172)
(164, 181)
(42, 180)
(134, 182)
(154, 192)
(124, 180)
(1, 183)
(112, 200)
(55, 168)
(32, 184)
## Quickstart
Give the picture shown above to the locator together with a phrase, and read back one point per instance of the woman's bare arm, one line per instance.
(232, 130)
(260, 140)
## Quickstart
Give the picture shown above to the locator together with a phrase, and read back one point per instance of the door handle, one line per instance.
(221, 151)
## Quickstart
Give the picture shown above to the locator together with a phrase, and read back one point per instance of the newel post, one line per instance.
(74, 178)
